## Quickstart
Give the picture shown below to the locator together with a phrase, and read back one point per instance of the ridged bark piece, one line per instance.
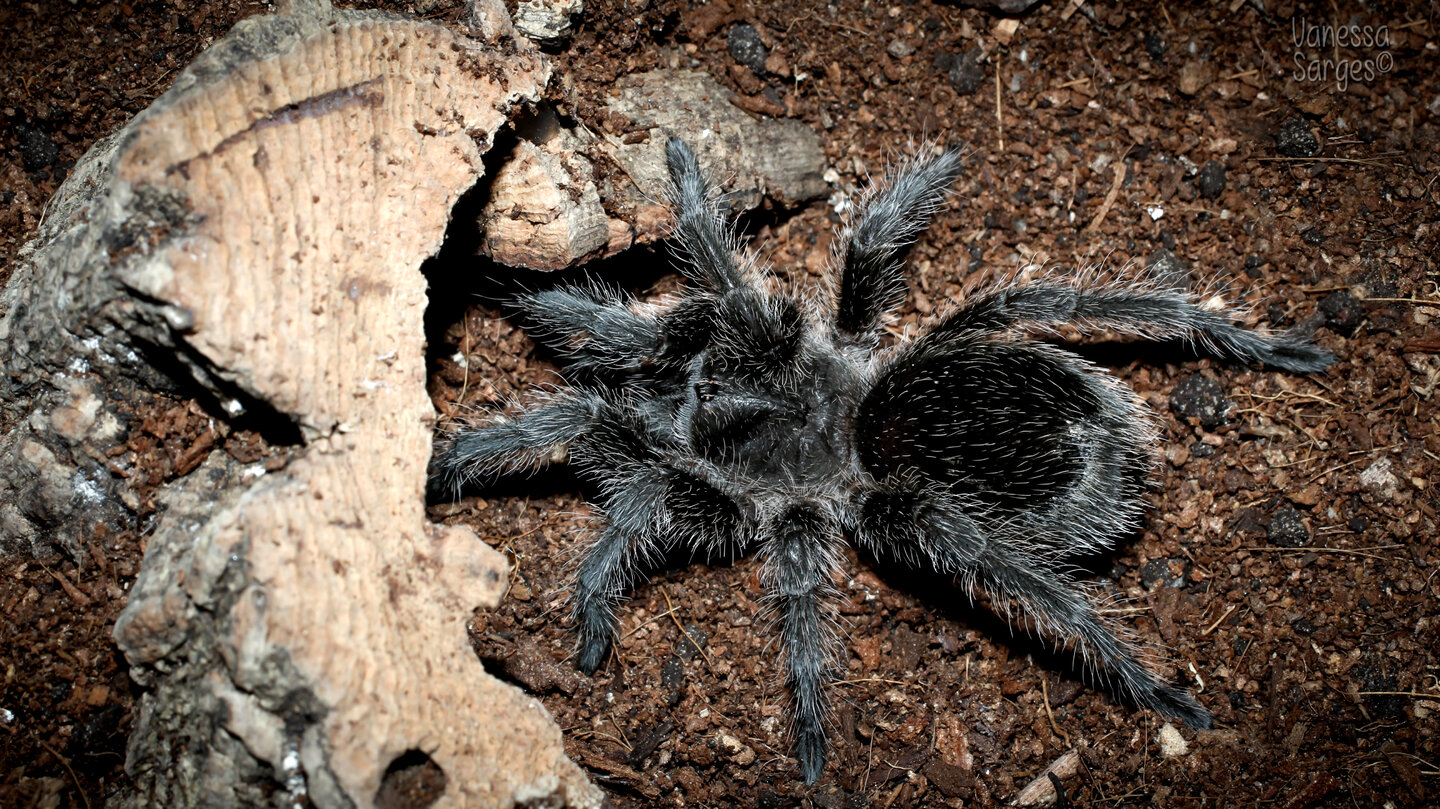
(258, 233)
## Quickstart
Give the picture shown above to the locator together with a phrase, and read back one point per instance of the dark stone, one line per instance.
(1253, 263)
(1155, 574)
(36, 149)
(1287, 529)
(1199, 397)
(1200, 449)
(1373, 678)
(1342, 312)
(1313, 237)
(1358, 525)
(1154, 45)
(745, 47)
(691, 642)
(1211, 179)
(1169, 269)
(964, 70)
(672, 673)
(1296, 139)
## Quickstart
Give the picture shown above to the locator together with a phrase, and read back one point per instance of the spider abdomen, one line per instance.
(1010, 423)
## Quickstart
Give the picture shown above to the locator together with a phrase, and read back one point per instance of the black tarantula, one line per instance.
(733, 417)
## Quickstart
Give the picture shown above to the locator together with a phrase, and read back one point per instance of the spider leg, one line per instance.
(904, 522)
(647, 507)
(1155, 313)
(800, 555)
(612, 563)
(891, 217)
(595, 327)
(699, 226)
(1060, 611)
(527, 442)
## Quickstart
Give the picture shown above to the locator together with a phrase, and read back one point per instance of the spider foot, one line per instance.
(592, 653)
(810, 752)
(1181, 704)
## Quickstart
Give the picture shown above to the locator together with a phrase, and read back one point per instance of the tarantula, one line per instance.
(734, 417)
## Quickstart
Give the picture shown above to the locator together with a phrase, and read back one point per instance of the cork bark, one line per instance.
(254, 240)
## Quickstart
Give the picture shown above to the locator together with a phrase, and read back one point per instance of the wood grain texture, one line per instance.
(260, 229)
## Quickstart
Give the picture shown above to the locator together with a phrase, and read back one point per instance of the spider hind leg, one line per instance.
(1146, 311)
(944, 533)
(800, 557)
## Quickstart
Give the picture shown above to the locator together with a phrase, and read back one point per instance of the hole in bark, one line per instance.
(412, 781)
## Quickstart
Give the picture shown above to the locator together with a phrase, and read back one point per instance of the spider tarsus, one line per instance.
(1180, 703)
(592, 654)
(1293, 353)
(809, 752)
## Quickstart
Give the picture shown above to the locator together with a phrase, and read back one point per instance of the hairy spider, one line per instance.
(732, 417)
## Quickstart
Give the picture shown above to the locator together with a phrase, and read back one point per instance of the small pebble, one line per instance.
(1342, 312)
(1156, 574)
(1172, 744)
(1296, 139)
(1169, 268)
(686, 647)
(745, 47)
(1211, 179)
(1154, 45)
(964, 70)
(1253, 263)
(734, 749)
(1287, 529)
(37, 151)
(1199, 397)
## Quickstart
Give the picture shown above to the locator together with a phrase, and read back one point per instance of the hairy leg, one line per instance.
(800, 555)
(527, 442)
(1060, 611)
(596, 328)
(906, 524)
(891, 216)
(1153, 313)
(699, 226)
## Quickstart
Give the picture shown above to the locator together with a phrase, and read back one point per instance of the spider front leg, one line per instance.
(526, 442)
(889, 219)
(648, 506)
(907, 523)
(800, 556)
(596, 327)
(1154, 313)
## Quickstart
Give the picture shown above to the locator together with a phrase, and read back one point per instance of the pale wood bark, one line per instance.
(546, 209)
(255, 238)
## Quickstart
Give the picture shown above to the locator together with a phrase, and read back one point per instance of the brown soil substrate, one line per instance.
(1288, 562)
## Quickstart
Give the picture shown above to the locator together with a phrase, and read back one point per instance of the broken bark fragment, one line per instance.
(567, 195)
(254, 238)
